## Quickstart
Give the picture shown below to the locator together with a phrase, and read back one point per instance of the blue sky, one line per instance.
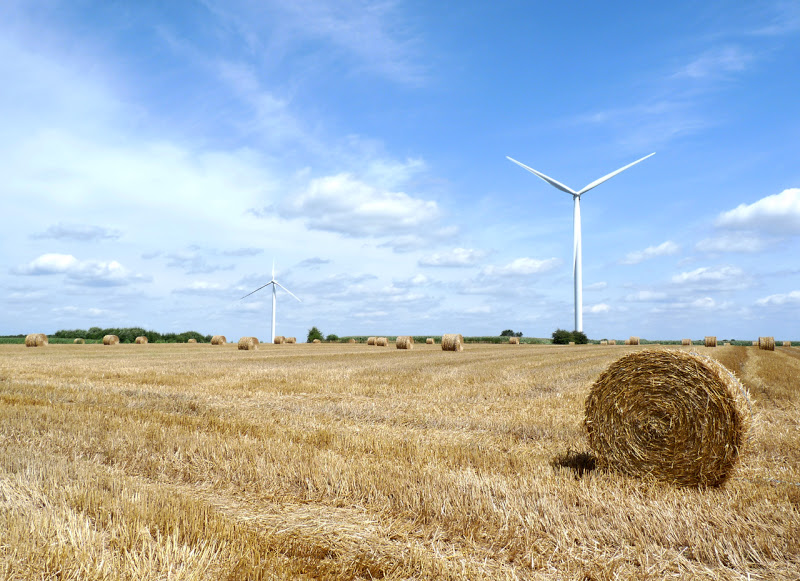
(156, 158)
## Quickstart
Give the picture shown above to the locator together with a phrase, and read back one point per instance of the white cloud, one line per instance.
(83, 272)
(664, 249)
(598, 308)
(645, 296)
(456, 257)
(775, 213)
(722, 276)
(790, 298)
(732, 243)
(717, 62)
(522, 267)
(343, 204)
(596, 286)
(79, 232)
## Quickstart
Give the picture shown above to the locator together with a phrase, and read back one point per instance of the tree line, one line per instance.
(129, 334)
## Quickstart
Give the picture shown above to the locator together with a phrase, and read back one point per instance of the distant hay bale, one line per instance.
(710, 341)
(218, 340)
(571, 343)
(351, 340)
(316, 341)
(79, 341)
(430, 341)
(755, 343)
(633, 341)
(726, 344)
(452, 342)
(604, 341)
(248, 343)
(674, 415)
(36, 340)
(110, 340)
(371, 340)
(381, 342)
(405, 343)
(291, 340)
(612, 341)
(141, 340)
(627, 341)
(513, 340)
(279, 340)
(192, 341)
(686, 341)
(766, 343)
(787, 343)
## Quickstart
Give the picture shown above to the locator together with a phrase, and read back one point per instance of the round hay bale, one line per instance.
(633, 341)
(710, 341)
(218, 340)
(571, 343)
(110, 340)
(351, 340)
(405, 343)
(141, 340)
(766, 343)
(755, 343)
(627, 341)
(726, 344)
(371, 340)
(612, 341)
(79, 341)
(787, 343)
(279, 340)
(674, 415)
(381, 342)
(36, 340)
(430, 341)
(248, 343)
(192, 341)
(316, 341)
(686, 342)
(291, 340)
(513, 340)
(453, 342)
(604, 341)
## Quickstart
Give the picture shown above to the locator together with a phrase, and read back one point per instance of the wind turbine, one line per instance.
(274, 284)
(577, 272)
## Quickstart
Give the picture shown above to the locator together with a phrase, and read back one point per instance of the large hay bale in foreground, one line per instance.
(787, 343)
(405, 343)
(218, 340)
(766, 343)
(110, 340)
(674, 415)
(248, 343)
(141, 340)
(371, 340)
(452, 342)
(279, 340)
(381, 342)
(710, 341)
(36, 340)
(633, 341)
(430, 341)
(686, 341)
(79, 341)
(513, 340)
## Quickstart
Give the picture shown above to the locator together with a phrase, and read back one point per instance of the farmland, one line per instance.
(338, 461)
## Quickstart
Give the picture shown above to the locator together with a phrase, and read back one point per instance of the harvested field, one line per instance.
(341, 461)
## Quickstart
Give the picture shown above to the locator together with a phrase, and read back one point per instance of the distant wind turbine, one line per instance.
(577, 272)
(274, 284)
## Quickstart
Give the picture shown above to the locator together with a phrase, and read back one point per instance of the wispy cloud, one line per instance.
(739, 242)
(522, 267)
(717, 62)
(721, 277)
(78, 232)
(664, 249)
(457, 257)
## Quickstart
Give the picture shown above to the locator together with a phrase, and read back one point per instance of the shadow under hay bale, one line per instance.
(672, 415)
(218, 340)
(452, 342)
(579, 462)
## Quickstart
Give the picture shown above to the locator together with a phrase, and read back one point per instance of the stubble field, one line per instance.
(355, 462)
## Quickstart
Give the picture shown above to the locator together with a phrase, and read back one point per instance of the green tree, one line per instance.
(561, 337)
(508, 333)
(580, 337)
(314, 333)
(332, 338)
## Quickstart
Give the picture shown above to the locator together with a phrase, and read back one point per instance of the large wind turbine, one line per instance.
(577, 272)
(274, 284)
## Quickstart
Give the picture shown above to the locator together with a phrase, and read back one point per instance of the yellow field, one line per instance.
(355, 462)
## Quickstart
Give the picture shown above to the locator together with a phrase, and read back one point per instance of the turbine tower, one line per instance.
(577, 271)
(274, 284)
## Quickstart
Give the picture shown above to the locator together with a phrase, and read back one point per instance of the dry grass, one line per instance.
(345, 462)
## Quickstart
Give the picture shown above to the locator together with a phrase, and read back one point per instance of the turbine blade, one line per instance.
(549, 180)
(286, 289)
(255, 291)
(596, 183)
